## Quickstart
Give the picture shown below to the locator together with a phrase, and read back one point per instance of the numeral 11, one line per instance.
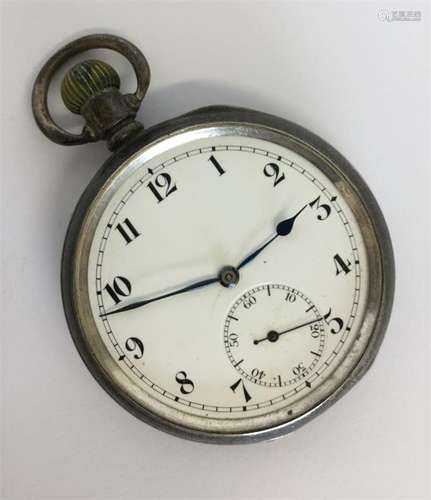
(127, 231)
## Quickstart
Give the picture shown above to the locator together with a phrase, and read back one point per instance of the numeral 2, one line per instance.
(273, 170)
(162, 186)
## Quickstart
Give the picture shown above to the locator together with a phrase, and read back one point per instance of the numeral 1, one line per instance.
(127, 231)
(217, 165)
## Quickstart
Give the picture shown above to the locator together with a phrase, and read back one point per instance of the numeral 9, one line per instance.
(133, 344)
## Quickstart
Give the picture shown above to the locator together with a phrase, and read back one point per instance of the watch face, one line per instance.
(224, 283)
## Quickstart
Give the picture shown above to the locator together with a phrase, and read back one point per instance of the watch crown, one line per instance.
(86, 80)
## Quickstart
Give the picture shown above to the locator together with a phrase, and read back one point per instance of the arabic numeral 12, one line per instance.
(162, 187)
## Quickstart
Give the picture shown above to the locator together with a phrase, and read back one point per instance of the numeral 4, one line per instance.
(341, 266)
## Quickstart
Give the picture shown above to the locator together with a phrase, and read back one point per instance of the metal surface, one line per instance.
(219, 121)
(229, 277)
(109, 115)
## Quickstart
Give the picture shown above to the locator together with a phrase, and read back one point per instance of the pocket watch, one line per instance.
(227, 275)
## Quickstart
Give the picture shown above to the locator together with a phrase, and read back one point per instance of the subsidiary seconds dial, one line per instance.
(274, 335)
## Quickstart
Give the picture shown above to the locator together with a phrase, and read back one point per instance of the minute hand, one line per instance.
(140, 303)
(283, 228)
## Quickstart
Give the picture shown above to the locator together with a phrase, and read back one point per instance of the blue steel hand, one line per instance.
(141, 303)
(283, 228)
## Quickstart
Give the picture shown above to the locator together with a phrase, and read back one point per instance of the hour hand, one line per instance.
(283, 228)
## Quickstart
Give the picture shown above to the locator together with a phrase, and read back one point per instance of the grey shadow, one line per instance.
(165, 103)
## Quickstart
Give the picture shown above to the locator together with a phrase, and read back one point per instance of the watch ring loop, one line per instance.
(98, 41)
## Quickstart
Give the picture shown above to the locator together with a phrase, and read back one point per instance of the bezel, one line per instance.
(220, 121)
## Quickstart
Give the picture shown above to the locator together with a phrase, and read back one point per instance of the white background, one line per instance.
(359, 82)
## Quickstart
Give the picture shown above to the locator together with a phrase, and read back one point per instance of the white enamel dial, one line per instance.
(178, 218)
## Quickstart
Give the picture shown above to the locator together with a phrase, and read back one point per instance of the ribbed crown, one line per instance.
(85, 80)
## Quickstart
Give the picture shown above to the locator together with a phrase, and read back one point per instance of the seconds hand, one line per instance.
(273, 336)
